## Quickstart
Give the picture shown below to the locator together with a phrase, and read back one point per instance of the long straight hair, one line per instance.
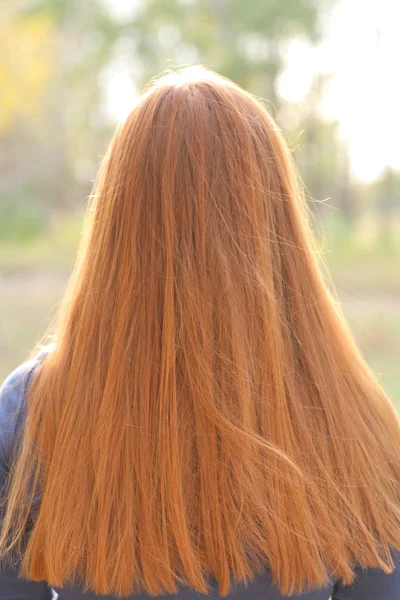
(204, 412)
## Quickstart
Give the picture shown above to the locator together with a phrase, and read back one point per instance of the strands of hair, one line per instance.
(205, 412)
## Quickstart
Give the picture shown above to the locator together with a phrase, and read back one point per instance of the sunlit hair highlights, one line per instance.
(204, 413)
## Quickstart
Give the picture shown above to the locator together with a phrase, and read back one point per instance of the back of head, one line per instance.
(204, 411)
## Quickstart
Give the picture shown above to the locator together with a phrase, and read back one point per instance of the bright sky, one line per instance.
(361, 49)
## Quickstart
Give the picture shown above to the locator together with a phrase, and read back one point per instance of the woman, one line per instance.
(202, 421)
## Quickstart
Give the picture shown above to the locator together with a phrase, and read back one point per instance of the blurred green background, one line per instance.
(71, 70)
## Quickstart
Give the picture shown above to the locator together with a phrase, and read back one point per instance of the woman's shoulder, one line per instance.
(12, 396)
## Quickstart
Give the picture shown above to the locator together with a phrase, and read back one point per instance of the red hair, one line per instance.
(205, 411)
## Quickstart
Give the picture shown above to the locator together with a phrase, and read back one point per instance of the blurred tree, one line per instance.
(54, 50)
(388, 194)
(245, 41)
(26, 67)
(85, 34)
(241, 40)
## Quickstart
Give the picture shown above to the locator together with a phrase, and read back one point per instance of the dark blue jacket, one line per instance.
(370, 584)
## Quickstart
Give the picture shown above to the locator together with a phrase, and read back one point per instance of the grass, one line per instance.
(25, 309)
(377, 332)
(50, 252)
(34, 273)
